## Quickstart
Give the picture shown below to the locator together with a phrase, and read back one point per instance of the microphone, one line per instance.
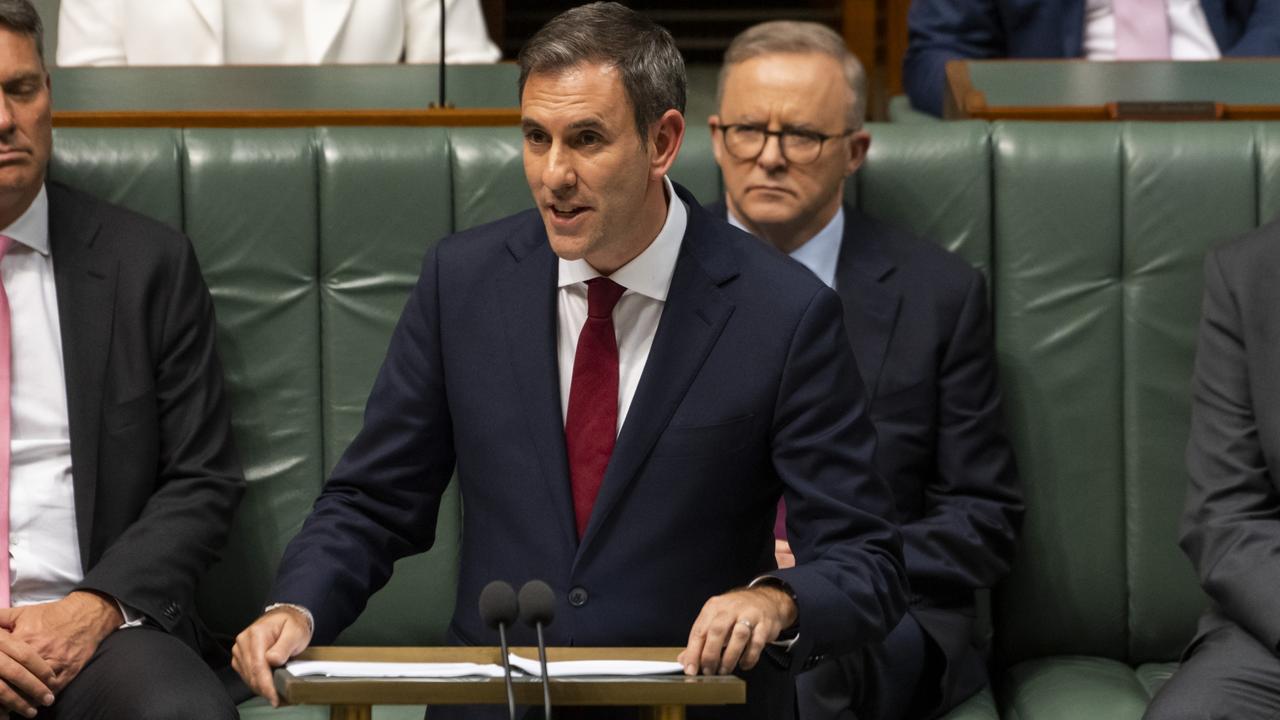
(498, 609)
(537, 610)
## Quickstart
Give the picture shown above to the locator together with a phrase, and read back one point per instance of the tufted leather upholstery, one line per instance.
(1092, 236)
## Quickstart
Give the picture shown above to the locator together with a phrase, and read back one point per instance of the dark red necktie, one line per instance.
(591, 424)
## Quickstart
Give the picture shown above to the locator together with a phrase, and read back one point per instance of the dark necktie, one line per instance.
(591, 423)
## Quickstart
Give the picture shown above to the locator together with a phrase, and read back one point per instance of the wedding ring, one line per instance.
(744, 621)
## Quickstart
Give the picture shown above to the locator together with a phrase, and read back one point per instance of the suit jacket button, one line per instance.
(578, 597)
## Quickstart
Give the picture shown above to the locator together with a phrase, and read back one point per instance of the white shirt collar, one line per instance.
(821, 252)
(648, 273)
(32, 227)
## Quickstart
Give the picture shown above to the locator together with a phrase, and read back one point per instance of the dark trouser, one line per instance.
(879, 682)
(1226, 673)
(143, 674)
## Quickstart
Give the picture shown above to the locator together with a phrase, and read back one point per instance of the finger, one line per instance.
(25, 655)
(20, 678)
(691, 657)
(717, 635)
(739, 639)
(251, 651)
(292, 640)
(12, 701)
(761, 635)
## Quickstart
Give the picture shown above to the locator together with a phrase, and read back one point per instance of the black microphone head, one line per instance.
(498, 604)
(537, 603)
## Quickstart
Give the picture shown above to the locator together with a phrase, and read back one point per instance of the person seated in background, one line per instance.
(118, 478)
(1231, 526)
(942, 30)
(280, 32)
(788, 134)
(625, 385)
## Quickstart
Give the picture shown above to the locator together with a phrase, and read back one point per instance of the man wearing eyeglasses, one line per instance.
(788, 134)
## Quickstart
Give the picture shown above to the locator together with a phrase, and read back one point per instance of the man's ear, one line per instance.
(667, 135)
(859, 143)
(714, 123)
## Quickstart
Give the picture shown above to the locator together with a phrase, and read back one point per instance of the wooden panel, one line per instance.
(447, 117)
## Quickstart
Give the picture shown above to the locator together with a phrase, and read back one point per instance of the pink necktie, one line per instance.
(1142, 29)
(6, 358)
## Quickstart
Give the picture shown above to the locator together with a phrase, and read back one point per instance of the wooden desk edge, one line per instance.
(425, 117)
(658, 691)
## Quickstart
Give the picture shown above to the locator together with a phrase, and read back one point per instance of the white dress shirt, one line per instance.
(44, 551)
(819, 253)
(635, 318)
(1189, 35)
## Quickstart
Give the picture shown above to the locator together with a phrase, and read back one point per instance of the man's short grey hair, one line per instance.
(20, 16)
(791, 36)
(608, 33)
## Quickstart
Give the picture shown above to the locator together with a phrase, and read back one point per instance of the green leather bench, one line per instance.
(1092, 236)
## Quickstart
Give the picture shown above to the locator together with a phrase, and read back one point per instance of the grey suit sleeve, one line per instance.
(1231, 527)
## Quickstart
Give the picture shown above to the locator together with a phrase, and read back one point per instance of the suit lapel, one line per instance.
(527, 296)
(324, 19)
(85, 281)
(870, 306)
(693, 317)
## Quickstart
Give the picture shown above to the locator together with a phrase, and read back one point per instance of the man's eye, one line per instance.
(589, 138)
(800, 138)
(535, 137)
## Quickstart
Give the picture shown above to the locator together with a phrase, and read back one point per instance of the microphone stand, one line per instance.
(506, 666)
(546, 681)
(443, 95)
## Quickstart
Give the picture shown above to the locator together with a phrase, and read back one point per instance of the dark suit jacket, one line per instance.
(918, 321)
(1231, 529)
(156, 478)
(942, 30)
(749, 391)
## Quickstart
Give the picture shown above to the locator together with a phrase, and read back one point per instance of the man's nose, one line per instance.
(6, 113)
(771, 157)
(558, 174)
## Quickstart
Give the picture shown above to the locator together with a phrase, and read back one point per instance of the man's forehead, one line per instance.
(581, 95)
(18, 56)
(786, 81)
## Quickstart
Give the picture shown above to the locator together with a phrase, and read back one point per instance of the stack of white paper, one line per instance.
(595, 668)
(572, 668)
(326, 668)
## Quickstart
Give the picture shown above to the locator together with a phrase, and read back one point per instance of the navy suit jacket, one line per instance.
(750, 390)
(918, 321)
(942, 30)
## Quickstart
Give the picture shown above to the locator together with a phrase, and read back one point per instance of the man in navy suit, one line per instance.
(943, 30)
(625, 385)
(788, 133)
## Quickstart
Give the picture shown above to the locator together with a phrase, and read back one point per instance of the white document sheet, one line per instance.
(347, 669)
(590, 668)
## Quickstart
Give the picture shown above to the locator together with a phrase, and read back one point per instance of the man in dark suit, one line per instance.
(625, 385)
(1231, 529)
(117, 475)
(788, 133)
(942, 30)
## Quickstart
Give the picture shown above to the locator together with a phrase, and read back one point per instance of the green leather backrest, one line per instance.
(1100, 232)
(1092, 236)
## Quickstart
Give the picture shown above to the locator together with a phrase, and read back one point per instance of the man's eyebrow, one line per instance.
(530, 124)
(33, 76)
(801, 127)
(588, 124)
